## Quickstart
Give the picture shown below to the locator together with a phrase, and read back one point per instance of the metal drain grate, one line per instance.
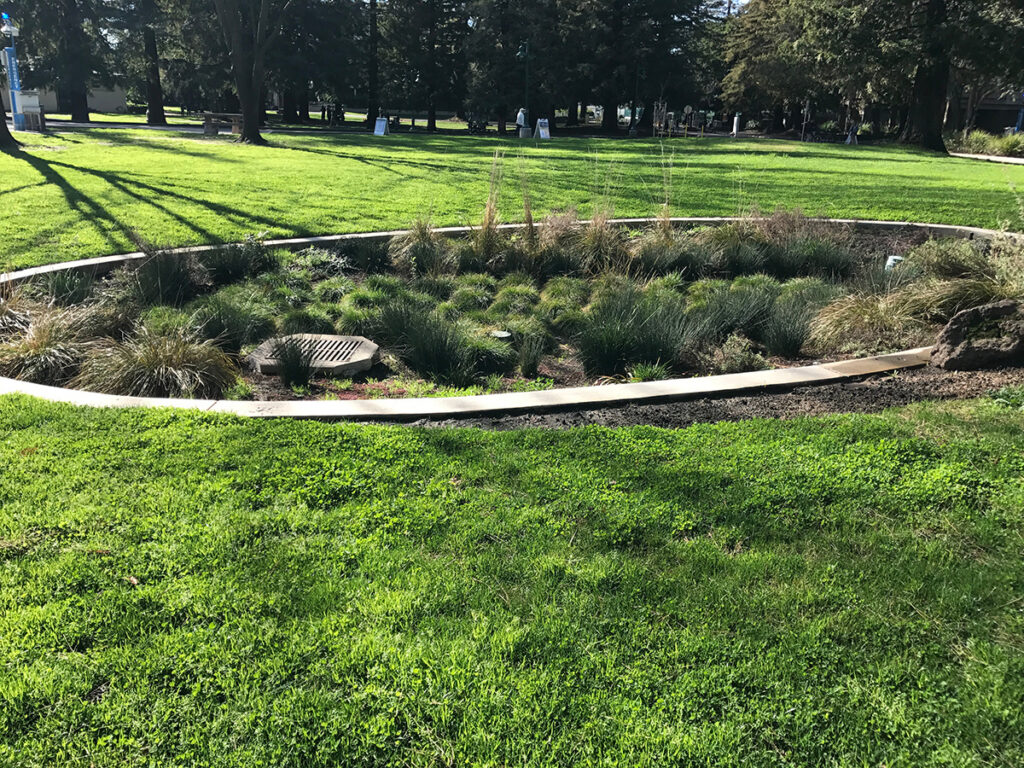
(333, 355)
(324, 348)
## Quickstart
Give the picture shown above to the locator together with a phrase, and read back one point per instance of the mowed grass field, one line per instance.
(82, 193)
(190, 590)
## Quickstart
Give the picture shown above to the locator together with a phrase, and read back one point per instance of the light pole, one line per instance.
(13, 78)
(524, 54)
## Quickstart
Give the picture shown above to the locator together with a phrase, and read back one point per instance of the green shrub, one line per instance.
(364, 297)
(68, 286)
(46, 351)
(735, 248)
(737, 355)
(807, 256)
(950, 258)
(490, 355)
(788, 324)
(333, 289)
(161, 278)
(649, 372)
(232, 320)
(365, 254)
(470, 298)
(304, 321)
(421, 251)
(1009, 397)
(625, 326)
(321, 263)
(151, 365)
(440, 287)
(428, 343)
(514, 300)
(574, 290)
(294, 362)
(659, 252)
(602, 246)
(235, 262)
(162, 320)
(387, 285)
(531, 351)
(354, 321)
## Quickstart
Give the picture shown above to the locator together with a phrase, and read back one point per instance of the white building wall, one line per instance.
(100, 99)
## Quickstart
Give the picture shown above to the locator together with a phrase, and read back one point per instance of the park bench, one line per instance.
(214, 121)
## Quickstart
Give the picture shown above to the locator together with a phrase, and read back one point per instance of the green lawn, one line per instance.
(191, 590)
(79, 194)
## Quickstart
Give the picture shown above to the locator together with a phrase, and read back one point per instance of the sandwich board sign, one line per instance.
(380, 128)
(543, 131)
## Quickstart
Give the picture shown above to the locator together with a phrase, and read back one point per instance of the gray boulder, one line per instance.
(988, 336)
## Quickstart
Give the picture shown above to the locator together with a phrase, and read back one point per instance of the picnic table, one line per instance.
(214, 121)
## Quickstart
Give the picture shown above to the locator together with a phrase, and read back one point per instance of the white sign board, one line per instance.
(542, 130)
(380, 128)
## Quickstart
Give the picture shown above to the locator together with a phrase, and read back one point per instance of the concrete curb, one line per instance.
(581, 398)
(574, 398)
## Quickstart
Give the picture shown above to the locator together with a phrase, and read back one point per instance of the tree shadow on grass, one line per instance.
(90, 209)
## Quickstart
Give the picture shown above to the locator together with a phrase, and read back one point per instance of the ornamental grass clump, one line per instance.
(233, 319)
(177, 364)
(294, 362)
(47, 349)
(230, 263)
(625, 326)
(421, 251)
(788, 324)
(866, 322)
(161, 277)
(428, 343)
(602, 246)
(67, 287)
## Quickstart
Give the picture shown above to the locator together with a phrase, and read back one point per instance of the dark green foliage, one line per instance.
(626, 326)
(333, 289)
(321, 263)
(234, 319)
(231, 263)
(425, 341)
(787, 326)
(440, 287)
(471, 297)
(175, 364)
(304, 321)
(161, 278)
(300, 593)
(657, 252)
(294, 362)
(162, 320)
(364, 254)
(516, 299)
(68, 286)
(490, 355)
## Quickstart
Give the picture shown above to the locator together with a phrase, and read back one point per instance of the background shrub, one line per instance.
(238, 261)
(421, 251)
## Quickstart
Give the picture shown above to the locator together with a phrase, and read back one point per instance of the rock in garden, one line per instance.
(982, 337)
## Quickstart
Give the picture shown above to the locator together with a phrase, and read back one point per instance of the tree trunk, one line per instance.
(289, 113)
(876, 121)
(573, 117)
(303, 105)
(431, 114)
(79, 103)
(372, 98)
(777, 119)
(154, 91)
(7, 141)
(610, 119)
(928, 98)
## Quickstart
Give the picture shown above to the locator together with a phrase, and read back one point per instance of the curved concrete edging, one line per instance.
(582, 398)
(513, 402)
(103, 264)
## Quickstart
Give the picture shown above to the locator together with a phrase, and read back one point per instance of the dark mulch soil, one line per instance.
(868, 395)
